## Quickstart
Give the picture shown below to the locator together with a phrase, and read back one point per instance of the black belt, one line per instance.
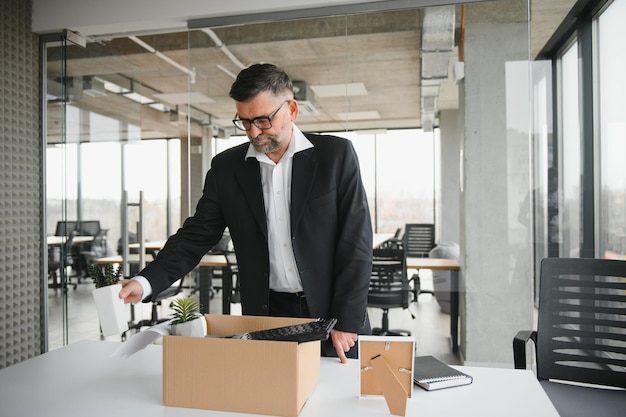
(299, 294)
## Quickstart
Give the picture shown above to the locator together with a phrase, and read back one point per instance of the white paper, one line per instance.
(140, 340)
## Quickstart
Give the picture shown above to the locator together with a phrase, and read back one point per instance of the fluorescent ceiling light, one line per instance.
(139, 98)
(339, 90)
(359, 115)
(194, 97)
(114, 88)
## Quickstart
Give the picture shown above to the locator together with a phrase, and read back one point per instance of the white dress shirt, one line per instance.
(276, 180)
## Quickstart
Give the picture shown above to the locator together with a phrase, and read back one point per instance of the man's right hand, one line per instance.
(132, 291)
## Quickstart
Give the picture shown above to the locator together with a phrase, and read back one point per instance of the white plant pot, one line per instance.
(111, 310)
(193, 328)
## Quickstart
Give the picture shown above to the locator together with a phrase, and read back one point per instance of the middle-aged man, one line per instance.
(297, 214)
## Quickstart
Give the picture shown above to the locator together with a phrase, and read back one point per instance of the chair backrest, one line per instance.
(89, 227)
(65, 227)
(83, 228)
(389, 286)
(581, 334)
(418, 239)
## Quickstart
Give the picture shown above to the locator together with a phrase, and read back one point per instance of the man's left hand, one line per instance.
(342, 342)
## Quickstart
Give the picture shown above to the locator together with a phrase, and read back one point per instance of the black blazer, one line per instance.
(330, 224)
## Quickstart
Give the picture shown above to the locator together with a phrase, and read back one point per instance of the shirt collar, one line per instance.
(298, 143)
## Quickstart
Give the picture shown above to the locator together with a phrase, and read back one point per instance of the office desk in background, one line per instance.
(219, 261)
(59, 240)
(95, 384)
(206, 263)
(444, 265)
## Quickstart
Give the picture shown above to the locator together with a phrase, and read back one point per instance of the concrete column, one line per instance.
(450, 126)
(495, 255)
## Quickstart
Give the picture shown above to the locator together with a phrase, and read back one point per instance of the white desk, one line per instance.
(83, 380)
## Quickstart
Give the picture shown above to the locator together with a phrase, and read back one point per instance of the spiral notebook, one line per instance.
(431, 374)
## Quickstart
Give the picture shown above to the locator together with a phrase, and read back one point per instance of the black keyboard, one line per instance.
(304, 332)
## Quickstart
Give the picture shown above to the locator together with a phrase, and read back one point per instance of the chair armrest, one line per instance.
(519, 347)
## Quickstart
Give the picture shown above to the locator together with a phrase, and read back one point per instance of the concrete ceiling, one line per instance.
(377, 51)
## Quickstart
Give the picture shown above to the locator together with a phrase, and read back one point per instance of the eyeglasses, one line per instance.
(262, 122)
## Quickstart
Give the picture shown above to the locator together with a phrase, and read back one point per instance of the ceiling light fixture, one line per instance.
(436, 49)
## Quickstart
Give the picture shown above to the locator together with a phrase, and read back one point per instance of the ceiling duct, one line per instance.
(304, 95)
(438, 29)
(190, 72)
(92, 87)
(437, 48)
(437, 41)
(429, 104)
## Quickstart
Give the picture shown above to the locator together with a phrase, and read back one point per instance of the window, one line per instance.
(612, 131)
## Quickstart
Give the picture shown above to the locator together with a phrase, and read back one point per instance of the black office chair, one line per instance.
(394, 242)
(389, 287)
(97, 248)
(221, 248)
(65, 227)
(233, 271)
(89, 227)
(59, 260)
(581, 336)
(418, 240)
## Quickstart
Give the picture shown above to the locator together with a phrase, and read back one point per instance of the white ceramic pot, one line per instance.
(193, 328)
(111, 310)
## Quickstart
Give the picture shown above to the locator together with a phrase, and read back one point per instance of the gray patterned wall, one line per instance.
(20, 191)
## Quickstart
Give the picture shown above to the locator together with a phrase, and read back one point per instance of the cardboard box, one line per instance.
(245, 376)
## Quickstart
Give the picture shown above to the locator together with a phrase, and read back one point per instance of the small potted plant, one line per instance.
(187, 320)
(110, 306)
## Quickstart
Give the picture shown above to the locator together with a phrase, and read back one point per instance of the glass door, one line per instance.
(105, 133)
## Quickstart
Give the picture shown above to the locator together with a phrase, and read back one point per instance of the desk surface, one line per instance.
(220, 261)
(379, 238)
(207, 260)
(59, 240)
(149, 245)
(432, 263)
(94, 384)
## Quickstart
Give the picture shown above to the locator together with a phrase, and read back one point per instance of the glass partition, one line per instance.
(102, 137)
(154, 109)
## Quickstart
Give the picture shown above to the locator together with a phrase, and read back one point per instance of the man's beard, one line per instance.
(268, 147)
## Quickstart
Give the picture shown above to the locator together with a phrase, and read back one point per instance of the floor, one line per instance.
(430, 327)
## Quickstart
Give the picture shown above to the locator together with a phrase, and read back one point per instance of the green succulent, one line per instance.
(106, 276)
(185, 309)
